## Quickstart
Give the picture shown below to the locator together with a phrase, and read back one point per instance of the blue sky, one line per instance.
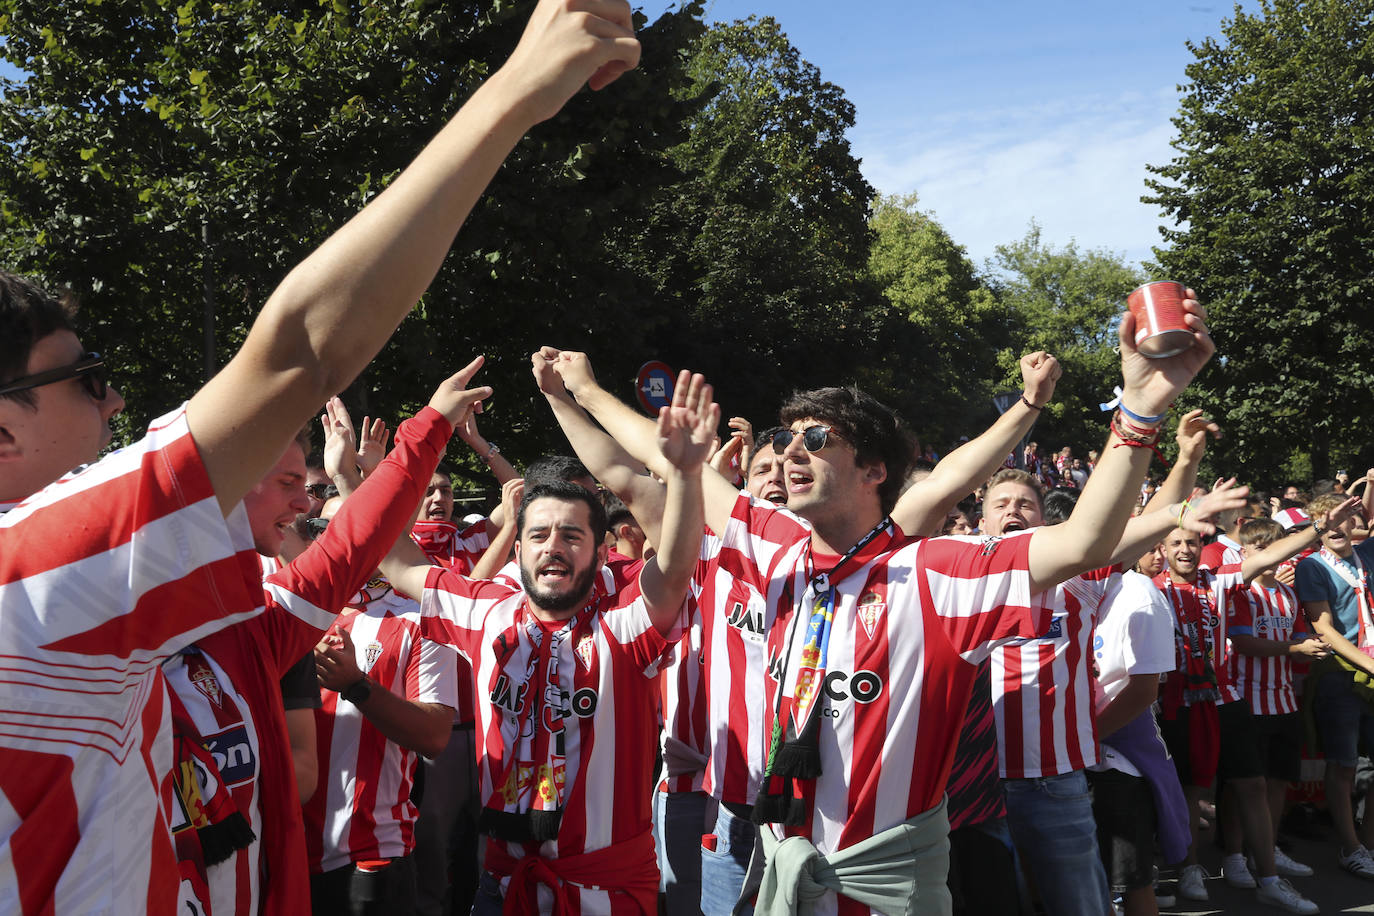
(997, 112)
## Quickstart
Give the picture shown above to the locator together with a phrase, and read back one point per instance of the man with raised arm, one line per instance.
(854, 693)
(733, 613)
(1333, 585)
(147, 551)
(565, 675)
(1206, 722)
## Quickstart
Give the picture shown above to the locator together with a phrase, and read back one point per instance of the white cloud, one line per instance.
(1075, 166)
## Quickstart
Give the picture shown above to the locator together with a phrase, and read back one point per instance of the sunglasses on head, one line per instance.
(90, 368)
(321, 490)
(813, 438)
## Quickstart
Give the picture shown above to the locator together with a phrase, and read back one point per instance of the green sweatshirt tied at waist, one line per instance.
(902, 870)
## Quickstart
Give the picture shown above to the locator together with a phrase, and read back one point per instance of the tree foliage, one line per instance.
(1067, 302)
(957, 325)
(1272, 198)
(766, 263)
(160, 156)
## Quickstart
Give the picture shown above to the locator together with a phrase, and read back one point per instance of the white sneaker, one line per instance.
(1191, 884)
(1359, 862)
(1236, 874)
(1281, 893)
(1287, 867)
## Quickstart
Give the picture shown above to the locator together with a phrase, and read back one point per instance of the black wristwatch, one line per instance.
(358, 691)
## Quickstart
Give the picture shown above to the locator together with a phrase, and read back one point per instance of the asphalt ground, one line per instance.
(1332, 888)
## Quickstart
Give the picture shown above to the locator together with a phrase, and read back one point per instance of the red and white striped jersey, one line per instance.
(606, 671)
(301, 601)
(447, 545)
(1201, 604)
(735, 620)
(1265, 613)
(1221, 552)
(362, 809)
(1042, 690)
(103, 575)
(911, 622)
(682, 688)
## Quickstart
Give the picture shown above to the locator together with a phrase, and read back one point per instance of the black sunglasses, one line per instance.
(90, 368)
(813, 438)
(321, 490)
(315, 527)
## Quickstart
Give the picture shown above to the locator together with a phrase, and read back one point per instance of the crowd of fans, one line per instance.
(681, 671)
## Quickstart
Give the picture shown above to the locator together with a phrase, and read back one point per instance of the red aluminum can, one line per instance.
(1159, 326)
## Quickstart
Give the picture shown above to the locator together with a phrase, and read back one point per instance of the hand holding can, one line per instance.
(1159, 326)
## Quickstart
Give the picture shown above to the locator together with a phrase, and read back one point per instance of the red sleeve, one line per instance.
(321, 580)
(1240, 611)
(980, 588)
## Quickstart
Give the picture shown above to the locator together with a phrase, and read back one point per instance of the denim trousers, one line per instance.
(679, 822)
(1051, 822)
(723, 868)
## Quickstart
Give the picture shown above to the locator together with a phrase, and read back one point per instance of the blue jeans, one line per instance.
(1051, 821)
(679, 822)
(723, 869)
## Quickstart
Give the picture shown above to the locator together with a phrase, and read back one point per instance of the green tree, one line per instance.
(765, 278)
(1067, 302)
(158, 157)
(1271, 196)
(959, 325)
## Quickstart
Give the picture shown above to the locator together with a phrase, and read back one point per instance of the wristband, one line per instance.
(491, 450)
(1144, 420)
(358, 691)
(1182, 511)
(1030, 405)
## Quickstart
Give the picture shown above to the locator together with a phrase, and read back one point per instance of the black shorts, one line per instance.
(1280, 745)
(1124, 809)
(1240, 745)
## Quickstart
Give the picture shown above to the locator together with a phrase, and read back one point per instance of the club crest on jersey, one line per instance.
(990, 544)
(586, 648)
(871, 607)
(370, 655)
(204, 680)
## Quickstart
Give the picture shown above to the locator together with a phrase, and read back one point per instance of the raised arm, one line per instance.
(1296, 542)
(1191, 436)
(1090, 536)
(924, 506)
(638, 435)
(610, 464)
(491, 456)
(498, 551)
(335, 310)
(685, 431)
(1144, 531)
(405, 564)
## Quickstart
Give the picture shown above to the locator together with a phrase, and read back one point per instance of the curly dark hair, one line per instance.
(875, 431)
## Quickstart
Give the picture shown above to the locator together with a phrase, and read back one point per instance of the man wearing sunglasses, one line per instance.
(104, 574)
(873, 638)
(734, 615)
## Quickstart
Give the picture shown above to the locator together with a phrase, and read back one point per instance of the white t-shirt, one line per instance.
(1135, 635)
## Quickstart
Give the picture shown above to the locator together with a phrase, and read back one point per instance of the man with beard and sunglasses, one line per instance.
(104, 574)
(567, 709)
